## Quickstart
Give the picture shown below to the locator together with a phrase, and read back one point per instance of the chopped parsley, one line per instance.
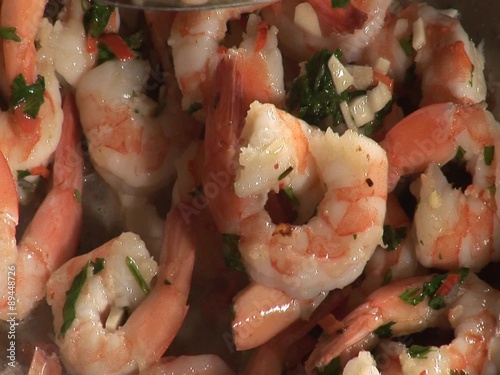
(333, 368)
(9, 33)
(29, 95)
(471, 82)
(290, 194)
(78, 195)
(285, 173)
(460, 154)
(406, 46)
(392, 237)
(69, 308)
(418, 351)
(134, 42)
(435, 289)
(232, 256)
(488, 153)
(22, 174)
(387, 277)
(194, 107)
(313, 96)
(384, 331)
(96, 18)
(132, 266)
(340, 3)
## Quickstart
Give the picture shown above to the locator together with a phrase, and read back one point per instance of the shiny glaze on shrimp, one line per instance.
(50, 239)
(207, 364)
(195, 40)
(335, 242)
(453, 228)
(29, 143)
(471, 307)
(89, 346)
(350, 29)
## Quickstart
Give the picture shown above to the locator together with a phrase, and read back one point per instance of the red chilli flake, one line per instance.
(40, 171)
(451, 280)
(261, 36)
(91, 44)
(117, 45)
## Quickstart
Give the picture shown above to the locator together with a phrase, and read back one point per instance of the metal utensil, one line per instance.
(179, 5)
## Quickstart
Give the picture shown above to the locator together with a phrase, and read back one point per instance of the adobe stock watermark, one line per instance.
(12, 313)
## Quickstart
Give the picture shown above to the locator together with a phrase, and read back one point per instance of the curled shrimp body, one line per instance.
(131, 145)
(207, 364)
(90, 345)
(341, 236)
(50, 240)
(195, 39)
(449, 64)
(469, 305)
(350, 29)
(27, 141)
(453, 228)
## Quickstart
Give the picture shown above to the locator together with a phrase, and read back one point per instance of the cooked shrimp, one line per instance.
(131, 146)
(277, 354)
(450, 65)
(306, 27)
(393, 261)
(50, 240)
(364, 364)
(454, 228)
(44, 363)
(438, 132)
(102, 287)
(207, 364)
(29, 136)
(261, 312)
(409, 306)
(336, 243)
(195, 41)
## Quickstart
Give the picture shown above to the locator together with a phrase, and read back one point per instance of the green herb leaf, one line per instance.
(96, 18)
(9, 33)
(460, 155)
(232, 256)
(392, 238)
(417, 351)
(194, 107)
(437, 302)
(384, 331)
(488, 154)
(78, 195)
(340, 3)
(471, 76)
(333, 368)
(69, 312)
(285, 173)
(288, 190)
(387, 277)
(412, 296)
(313, 97)
(132, 266)
(406, 46)
(30, 95)
(23, 174)
(98, 265)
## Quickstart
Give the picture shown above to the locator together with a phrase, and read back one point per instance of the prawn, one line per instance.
(44, 363)
(336, 243)
(68, 42)
(50, 240)
(453, 228)
(99, 286)
(449, 65)
(469, 304)
(195, 39)
(31, 132)
(261, 312)
(207, 364)
(306, 27)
